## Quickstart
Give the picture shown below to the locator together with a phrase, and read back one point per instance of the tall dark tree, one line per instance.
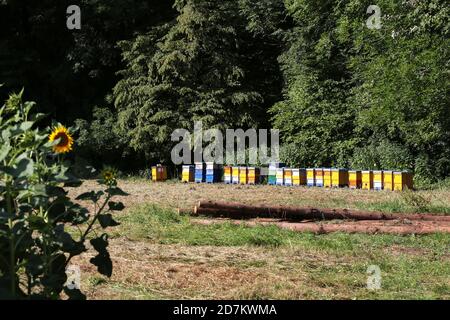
(66, 71)
(203, 66)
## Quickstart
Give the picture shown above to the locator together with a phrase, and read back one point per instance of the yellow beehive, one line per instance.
(243, 175)
(298, 177)
(159, 173)
(378, 180)
(327, 180)
(339, 178)
(188, 174)
(354, 179)
(235, 175)
(403, 180)
(311, 177)
(367, 180)
(388, 180)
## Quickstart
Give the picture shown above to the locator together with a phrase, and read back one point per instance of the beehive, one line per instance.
(403, 180)
(388, 180)
(288, 177)
(327, 181)
(213, 172)
(159, 173)
(272, 178)
(228, 174)
(339, 178)
(188, 173)
(253, 175)
(310, 177)
(243, 175)
(280, 176)
(354, 179)
(367, 180)
(319, 177)
(235, 175)
(378, 180)
(298, 177)
(200, 172)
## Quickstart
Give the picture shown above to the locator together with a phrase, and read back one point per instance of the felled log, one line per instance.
(241, 211)
(419, 228)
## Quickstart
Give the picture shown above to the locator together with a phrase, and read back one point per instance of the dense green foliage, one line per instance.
(36, 211)
(341, 93)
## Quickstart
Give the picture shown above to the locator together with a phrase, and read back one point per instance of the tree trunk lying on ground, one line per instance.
(241, 211)
(370, 227)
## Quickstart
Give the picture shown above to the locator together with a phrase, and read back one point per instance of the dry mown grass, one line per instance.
(152, 271)
(301, 267)
(178, 195)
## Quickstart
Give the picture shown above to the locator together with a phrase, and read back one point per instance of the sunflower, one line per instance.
(65, 139)
(109, 175)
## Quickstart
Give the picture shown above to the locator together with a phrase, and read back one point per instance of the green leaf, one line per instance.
(24, 168)
(74, 294)
(103, 263)
(87, 196)
(115, 191)
(56, 210)
(76, 214)
(36, 223)
(100, 243)
(54, 191)
(116, 206)
(106, 220)
(37, 117)
(4, 151)
(27, 125)
(69, 245)
(102, 260)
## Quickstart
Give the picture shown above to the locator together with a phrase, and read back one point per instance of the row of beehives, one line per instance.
(280, 175)
(340, 178)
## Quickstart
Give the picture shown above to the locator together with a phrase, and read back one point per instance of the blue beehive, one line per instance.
(213, 172)
(200, 172)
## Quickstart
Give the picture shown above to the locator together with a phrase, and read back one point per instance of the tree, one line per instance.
(314, 116)
(199, 67)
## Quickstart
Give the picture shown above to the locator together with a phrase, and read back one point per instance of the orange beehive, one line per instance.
(228, 174)
(159, 173)
(253, 175)
(354, 179)
(327, 181)
(319, 177)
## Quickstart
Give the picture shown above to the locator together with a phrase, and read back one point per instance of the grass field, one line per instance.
(158, 254)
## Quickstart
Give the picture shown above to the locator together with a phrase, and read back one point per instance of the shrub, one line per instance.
(35, 209)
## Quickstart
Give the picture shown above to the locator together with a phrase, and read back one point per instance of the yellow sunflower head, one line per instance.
(65, 139)
(109, 176)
